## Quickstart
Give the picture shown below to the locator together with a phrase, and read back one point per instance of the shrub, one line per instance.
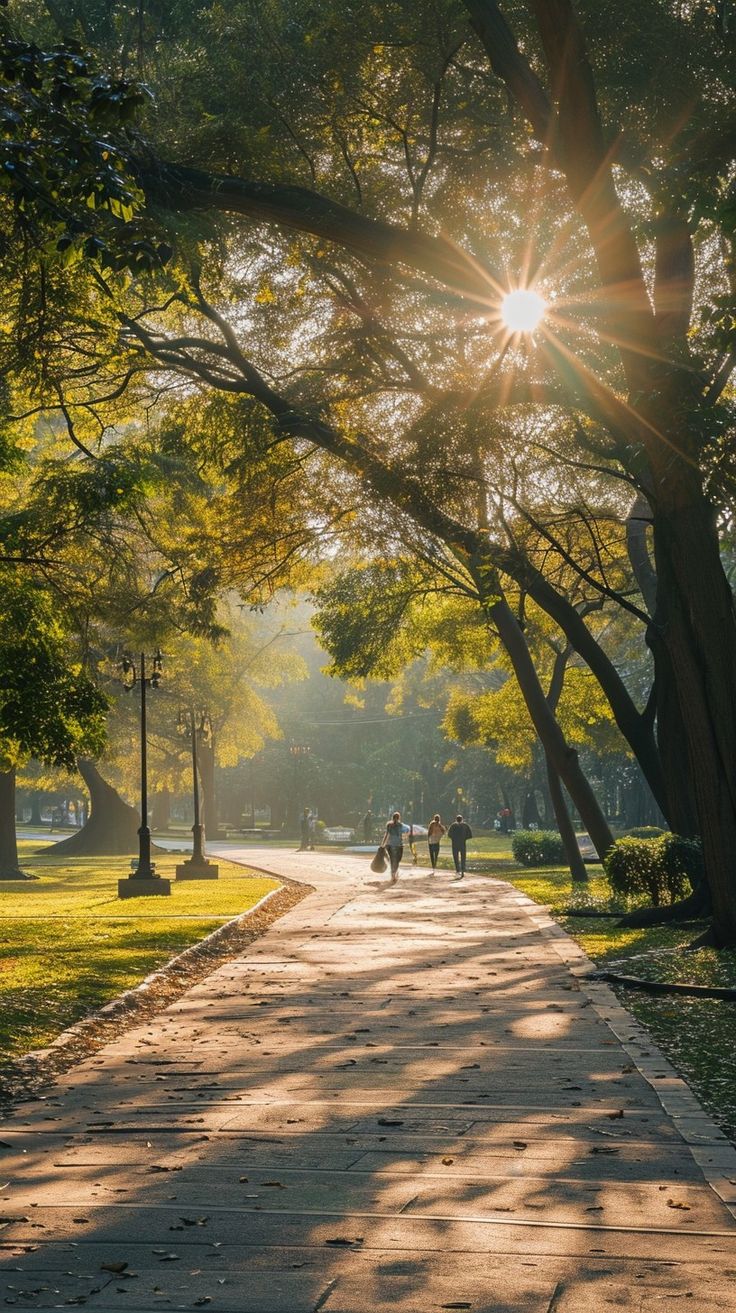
(663, 869)
(682, 861)
(644, 832)
(538, 848)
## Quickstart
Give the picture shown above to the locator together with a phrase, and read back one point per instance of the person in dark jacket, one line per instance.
(458, 834)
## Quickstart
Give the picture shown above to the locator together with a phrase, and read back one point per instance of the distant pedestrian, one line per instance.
(312, 830)
(368, 826)
(304, 831)
(434, 837)
(393, 842)
(459, 833)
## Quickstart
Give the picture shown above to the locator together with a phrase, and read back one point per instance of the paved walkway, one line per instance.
(399, 1099)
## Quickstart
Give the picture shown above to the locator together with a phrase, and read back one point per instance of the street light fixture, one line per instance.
(299, 752)
(144, 879)
(196, 725)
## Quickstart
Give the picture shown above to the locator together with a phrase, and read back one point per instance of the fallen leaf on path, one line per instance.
(389, 1121)
(675, 1203)
(614, 1116)
(520, 1144)
(344, 1240)
(113, 1267)
(447, 1162)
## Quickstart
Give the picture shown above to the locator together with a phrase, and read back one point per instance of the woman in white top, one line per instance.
(434, 835)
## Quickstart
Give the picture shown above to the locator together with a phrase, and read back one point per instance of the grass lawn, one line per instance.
(68, 944)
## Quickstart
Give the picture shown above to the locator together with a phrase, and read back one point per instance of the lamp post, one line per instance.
(144, 878)
(193, 725)
(299, 752)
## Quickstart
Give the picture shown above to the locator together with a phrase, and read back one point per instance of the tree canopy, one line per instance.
(349, 210)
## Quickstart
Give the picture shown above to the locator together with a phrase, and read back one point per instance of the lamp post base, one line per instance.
(134, 886)
(197, 870)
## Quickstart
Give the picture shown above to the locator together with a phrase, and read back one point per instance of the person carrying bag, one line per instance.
(393, 839)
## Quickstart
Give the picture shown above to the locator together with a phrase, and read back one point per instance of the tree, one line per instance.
(49, 709)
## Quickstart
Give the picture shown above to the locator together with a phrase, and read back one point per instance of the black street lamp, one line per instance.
(195, 725)
(144, 879)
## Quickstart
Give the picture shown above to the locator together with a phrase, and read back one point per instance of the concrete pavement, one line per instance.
(398, 1099)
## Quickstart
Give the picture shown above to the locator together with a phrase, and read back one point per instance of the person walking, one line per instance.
(393, 842)
(368, 826)
(435, 832)
(304, 831)
(459, 833)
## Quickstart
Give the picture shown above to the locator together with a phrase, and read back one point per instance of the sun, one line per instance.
(522, 310)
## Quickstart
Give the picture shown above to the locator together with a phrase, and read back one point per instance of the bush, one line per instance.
(538, 848)
(682, 860)
(644, 832)
(664, 869)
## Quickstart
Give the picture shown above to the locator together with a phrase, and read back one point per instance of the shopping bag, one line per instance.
(379, 861)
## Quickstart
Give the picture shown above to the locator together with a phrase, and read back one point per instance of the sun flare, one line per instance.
(522, 310)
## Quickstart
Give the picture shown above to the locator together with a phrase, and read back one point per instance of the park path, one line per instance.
(397, 1099)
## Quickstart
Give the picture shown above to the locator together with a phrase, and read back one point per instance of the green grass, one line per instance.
(69, 945)
(697, 1035)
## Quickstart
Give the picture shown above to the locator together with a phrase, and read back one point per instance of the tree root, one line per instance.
(588, 911)
(696, 907)
(662, 987)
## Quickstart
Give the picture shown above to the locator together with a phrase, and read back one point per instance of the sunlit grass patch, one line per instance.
(69, 945)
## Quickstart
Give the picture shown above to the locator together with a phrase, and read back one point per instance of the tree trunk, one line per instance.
(672, 740)
(635, 726)
(36, 818)
(112, 827)
(530, 810)
(206, 759)
(564, 824)
(562, 756)
(161, 810)
(9, 868)
(696, 623)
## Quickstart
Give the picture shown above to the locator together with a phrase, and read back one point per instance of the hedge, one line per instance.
(644, 832)
(538, 848)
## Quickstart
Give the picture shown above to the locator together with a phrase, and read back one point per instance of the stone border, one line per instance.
(711, 1149)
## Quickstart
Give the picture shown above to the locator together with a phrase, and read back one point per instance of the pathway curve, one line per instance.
(398, 1099)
